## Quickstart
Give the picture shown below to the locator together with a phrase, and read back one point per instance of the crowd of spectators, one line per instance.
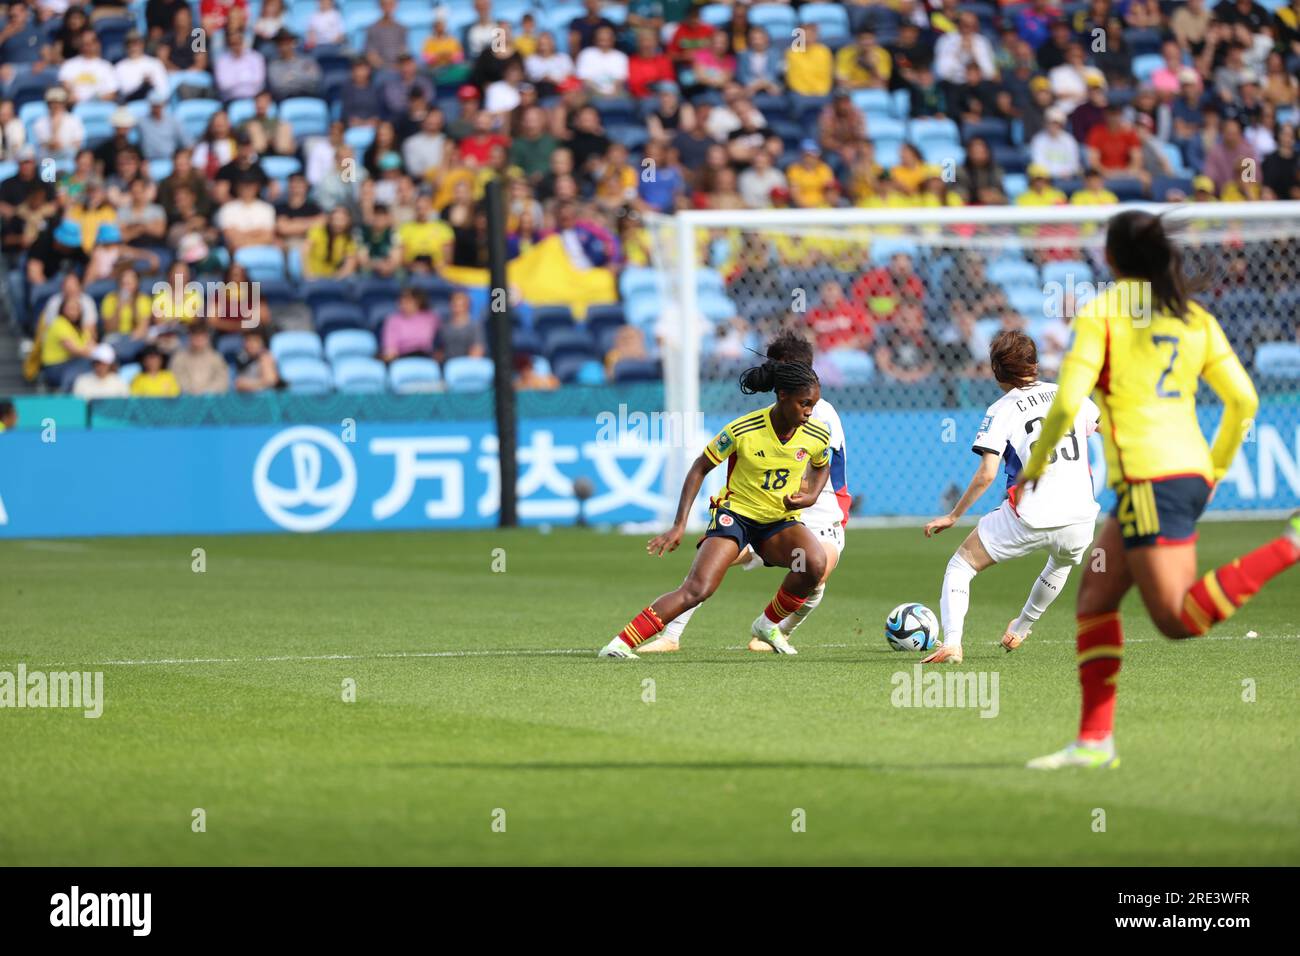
(357, 140)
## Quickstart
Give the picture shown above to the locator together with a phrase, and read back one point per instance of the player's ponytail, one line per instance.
(774, 376)
(1141, 246)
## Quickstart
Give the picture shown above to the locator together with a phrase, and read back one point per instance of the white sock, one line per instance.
(955, 599)
(794, 620)
(1046, 589)
(673, 629)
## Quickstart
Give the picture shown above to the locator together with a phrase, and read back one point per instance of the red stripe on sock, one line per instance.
(782, 606)
(1244, 577)
(641, 628)
(1097, 675)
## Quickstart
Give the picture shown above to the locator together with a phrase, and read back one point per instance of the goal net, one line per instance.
(901, 305)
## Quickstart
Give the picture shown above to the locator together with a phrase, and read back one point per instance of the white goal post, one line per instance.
(1254, 247)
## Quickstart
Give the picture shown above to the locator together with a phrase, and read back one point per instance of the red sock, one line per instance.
(782, 606)
(641, 628)
(1100, 645)
(1217, 596)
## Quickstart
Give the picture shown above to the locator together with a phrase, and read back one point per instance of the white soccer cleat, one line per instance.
(1011, 640)
(663, 644)
(617, 650)
(945, 654)
(1077, 754)
(772, 636)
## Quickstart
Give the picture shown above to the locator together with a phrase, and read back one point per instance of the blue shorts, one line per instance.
(1162, 511)
(744, 531)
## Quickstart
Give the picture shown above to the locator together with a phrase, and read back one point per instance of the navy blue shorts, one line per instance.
(744, 531)
(1164, 511)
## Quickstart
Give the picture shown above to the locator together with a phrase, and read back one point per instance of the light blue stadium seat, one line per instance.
(777, 19)
(160, 169)
(1279, 359)
(715, 306)
(1028, 301)
(350, 343)
(360, 138)
(358, 374)
(928, 128)
(129, 372)
(832, 22)
(1015, 185)
(287, 346)
(888, 151)
(855, 366)
(193, 115)
(1145, 65)
(884, 249)
(638, 279)
(1068, 273)
(591, 373)
(264, 263)
(1010, 273)
(306, 376)
(280, 167)
(307, 115)
(885, 127)
(873, 101)
(644, 310)
(410, 375)
(716, 14)
(468, 374)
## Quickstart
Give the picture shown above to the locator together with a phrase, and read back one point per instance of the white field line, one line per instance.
(540, 652)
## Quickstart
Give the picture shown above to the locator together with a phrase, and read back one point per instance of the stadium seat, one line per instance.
(358, 374)
(638, 370)
(1278, 359)
(1015, 185)
(239, 111)
(306, 376)
(128, 372)
(994, 129)
(567, 366)
(832, 22)
(1126, 188)
(879, 102)
(286, 346)
(332, 316)
(1068, 273)
(160, 169)
(193, 115)
(716, 306)
(318, 292)
(1012, 159)
(1012, 273)
(280, 167)
(1146, 64)
(1162, 186)
(230, 345)
(350, 343)
(307, 115)
(888, 151)
(412, 375)
(569, 342)
(778, 20)
(856, 367)
(602, 319)
(468, 374)
(716, 14)
(525, 341)
(928, 128)
(1027, 301)
(98, 290)
(886, 127)
(264, 263)
(552, 317)
(360, 138)
(636, 280)
(884, 249)
(190, 79)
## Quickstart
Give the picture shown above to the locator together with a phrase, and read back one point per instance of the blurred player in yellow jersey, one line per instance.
(767, 453)
(1143, 345)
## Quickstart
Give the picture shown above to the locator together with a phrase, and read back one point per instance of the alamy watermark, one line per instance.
(77, 690)
(634, 429)
(208, 300)
(930, 688)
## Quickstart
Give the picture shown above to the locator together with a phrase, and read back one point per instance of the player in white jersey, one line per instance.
(1058, 516)
(825, 518)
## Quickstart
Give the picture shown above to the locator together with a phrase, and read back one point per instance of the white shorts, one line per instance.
(1005, 536)
(831, 536)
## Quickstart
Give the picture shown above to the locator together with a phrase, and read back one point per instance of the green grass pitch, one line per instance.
(471, 697)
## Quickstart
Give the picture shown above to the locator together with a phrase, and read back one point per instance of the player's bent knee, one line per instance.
(696, 592)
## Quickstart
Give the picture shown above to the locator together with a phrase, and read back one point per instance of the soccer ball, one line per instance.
(911, 627)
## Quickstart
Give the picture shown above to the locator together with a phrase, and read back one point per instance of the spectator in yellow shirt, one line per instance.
(65, 345)
(864, 64)
(1203, 190)
(331, 251)
(1041, 192)
(809, 66)
(1094, 191)
(812, 182)
(153, 380)
(425, 242)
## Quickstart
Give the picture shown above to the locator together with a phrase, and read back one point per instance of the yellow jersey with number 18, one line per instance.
(762, 469)
(1145, 366)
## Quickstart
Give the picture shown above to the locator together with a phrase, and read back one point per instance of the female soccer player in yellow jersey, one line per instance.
(767, 454)
(1143, 345)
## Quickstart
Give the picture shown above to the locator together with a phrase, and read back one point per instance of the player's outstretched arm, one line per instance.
(1225, 374)
(979, 483)
(667, 542)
